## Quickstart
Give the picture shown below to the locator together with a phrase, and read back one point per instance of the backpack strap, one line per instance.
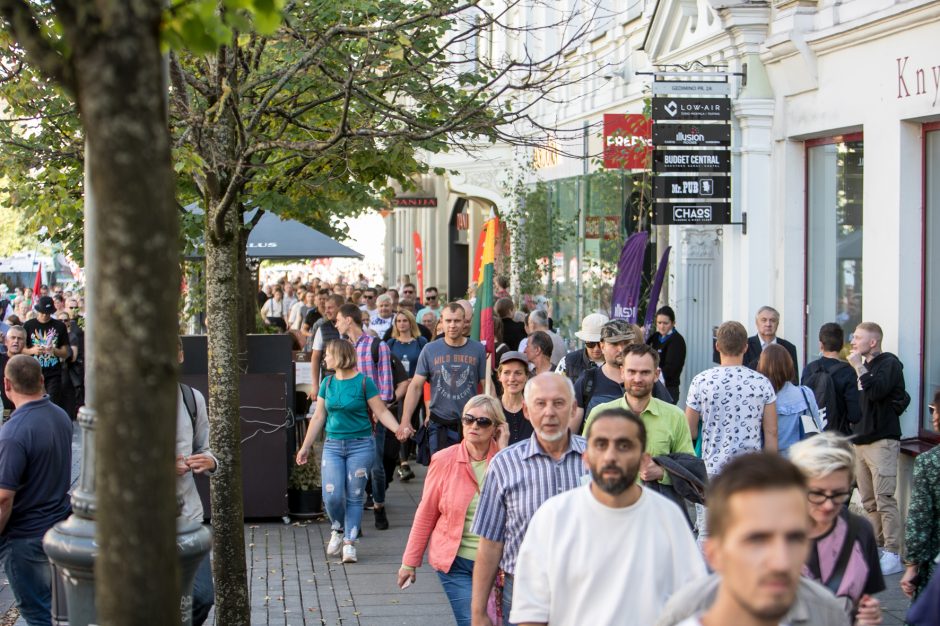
(842, 561)
(189, 400)
(588, 388)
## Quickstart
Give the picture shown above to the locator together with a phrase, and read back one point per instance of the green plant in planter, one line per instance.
(305, 477)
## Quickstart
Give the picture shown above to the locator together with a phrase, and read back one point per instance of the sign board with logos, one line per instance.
(670, 213)
(689, 88)
(690, 135)
(627, 141)
(692, 187)
(691, 109)
(682, 161)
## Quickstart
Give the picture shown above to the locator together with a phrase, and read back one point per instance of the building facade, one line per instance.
(835, 160)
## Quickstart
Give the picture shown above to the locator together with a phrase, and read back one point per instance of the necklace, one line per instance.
(472, 458)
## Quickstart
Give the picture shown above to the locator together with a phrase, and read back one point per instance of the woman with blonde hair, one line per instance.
(844, 553)
(343, 405)
(449, 501)
(406, 343)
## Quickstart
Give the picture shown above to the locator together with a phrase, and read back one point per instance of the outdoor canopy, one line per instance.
(277, 238)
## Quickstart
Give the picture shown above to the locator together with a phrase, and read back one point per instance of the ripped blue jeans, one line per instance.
(344, 472)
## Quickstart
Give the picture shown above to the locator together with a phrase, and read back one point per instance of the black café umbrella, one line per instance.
(276, 238)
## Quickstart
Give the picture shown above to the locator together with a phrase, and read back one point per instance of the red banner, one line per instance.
(628, 141)
(419, 262)
(37, 284)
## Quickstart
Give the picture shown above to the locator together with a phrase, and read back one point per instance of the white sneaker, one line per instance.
(890, 563)
(349, 553)
(336, 543)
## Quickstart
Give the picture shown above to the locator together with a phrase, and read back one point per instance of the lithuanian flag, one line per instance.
(482, 328)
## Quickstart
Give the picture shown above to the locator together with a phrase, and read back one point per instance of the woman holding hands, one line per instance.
(345, 400)
(451, 492)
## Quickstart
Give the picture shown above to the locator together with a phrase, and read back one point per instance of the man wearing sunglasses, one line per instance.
(431, 303)
(591, 355)
(369, 306)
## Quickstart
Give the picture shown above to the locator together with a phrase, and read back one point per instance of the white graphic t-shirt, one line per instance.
(730, 401)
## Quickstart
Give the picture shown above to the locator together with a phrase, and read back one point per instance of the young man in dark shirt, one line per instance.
(47, 340)
(843, 410)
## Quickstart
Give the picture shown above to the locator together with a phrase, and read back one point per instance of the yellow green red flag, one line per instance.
(482, 328)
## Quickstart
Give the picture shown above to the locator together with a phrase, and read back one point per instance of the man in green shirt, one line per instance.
(667, 430)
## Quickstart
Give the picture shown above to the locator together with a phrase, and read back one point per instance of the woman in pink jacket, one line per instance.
(449, 501)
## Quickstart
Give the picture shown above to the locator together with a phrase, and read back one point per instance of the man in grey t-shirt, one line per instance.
(456, 368)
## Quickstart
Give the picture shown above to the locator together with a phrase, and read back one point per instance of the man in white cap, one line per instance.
(591, 355)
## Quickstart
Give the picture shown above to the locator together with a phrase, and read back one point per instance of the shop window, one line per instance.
(834, 279)
(932, 270)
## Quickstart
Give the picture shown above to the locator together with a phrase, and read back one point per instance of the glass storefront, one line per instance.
(932, 269)
(551, 228)
(834, 280)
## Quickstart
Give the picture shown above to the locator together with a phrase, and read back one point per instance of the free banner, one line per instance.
(626, 296)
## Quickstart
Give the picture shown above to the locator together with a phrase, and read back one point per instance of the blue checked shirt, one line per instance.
(518, 480)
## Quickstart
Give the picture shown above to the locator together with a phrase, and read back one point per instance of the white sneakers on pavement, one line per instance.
(890, 563)
(349, 553)
(336, 543)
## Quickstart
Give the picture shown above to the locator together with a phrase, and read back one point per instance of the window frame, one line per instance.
(922, 432)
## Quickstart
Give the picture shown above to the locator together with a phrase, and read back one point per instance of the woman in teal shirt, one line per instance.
(343, 404)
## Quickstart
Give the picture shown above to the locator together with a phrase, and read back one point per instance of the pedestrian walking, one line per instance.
(843, 552)
(35, 475)
(882, 399)
(455, 367)
(406, 343)
(768, 320)
(384, 316)
(590, 356)
(735, 406)
(670, 345)
(538, 349)
(47, 340)
(449, 501)
(833, 381)
(758, 542)
(655, 555)
(193, 456)
(513, 331)
(922, 528)
(15, 342)
(513, 372)
(793, 402)
(324, 332)
(343, 406)
(538, 320)
(519, 479)
(666, 427)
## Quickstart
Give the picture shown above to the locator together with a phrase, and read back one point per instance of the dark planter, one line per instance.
(304, 504)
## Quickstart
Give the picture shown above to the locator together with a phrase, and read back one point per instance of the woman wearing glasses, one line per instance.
(451, 491)
(843, 554)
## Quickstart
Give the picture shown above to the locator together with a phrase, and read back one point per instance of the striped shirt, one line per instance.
(382, 378)
(520, 478)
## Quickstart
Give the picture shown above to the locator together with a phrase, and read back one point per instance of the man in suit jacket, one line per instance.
(767, 321)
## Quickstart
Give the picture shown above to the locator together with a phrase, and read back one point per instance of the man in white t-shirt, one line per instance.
(610, 552)
(384, 315)
(758, 515)
(737, 407)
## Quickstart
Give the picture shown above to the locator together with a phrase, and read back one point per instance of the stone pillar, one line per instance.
(697, 295)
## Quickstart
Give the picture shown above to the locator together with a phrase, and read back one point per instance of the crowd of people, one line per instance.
(546, 464)
(563, 486)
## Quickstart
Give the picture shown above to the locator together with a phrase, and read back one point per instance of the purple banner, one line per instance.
(654, 292)
(626, 296)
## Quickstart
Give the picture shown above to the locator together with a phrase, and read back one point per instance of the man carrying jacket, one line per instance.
(882, 399)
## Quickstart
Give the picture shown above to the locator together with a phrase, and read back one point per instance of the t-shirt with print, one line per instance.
(730, 401)
(380, 324)
(454, 374)
(695, 621)
(862, 572)
(52, 334)
(347, 413)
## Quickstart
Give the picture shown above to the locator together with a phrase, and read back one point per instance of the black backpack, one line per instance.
(818, 377)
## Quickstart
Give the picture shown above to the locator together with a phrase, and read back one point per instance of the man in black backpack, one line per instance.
(882, 399)
(194, 457)
(833, 381)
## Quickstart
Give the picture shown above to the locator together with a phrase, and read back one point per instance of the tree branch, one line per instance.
(24, 27)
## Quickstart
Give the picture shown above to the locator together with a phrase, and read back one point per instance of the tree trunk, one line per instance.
(222, 307)
(121, 95)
